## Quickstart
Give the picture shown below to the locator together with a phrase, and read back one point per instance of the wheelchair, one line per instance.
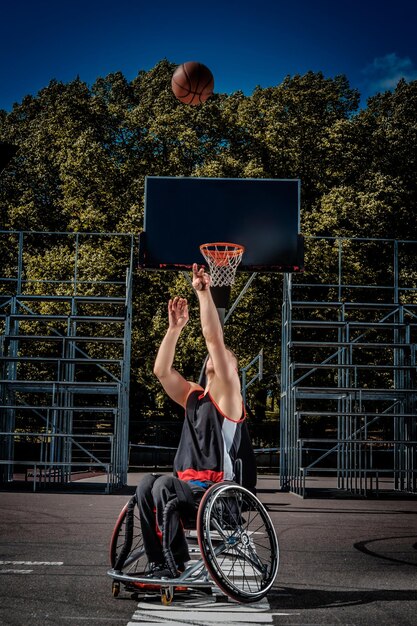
(232, 544)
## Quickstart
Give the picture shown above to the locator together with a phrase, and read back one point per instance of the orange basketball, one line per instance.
(192, 83)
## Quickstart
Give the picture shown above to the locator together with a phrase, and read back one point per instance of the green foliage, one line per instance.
(83, 154)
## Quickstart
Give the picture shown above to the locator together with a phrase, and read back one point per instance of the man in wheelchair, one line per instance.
(211, 435)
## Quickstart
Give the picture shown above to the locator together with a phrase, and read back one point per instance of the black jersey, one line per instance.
(209, 441)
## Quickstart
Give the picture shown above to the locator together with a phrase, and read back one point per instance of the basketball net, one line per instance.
(223, 260)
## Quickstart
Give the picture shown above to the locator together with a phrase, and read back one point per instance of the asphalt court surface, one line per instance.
(342, 561)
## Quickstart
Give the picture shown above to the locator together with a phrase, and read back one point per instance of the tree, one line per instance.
(84, 154)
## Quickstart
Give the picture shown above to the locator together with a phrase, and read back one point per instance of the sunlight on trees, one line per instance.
(83, 154)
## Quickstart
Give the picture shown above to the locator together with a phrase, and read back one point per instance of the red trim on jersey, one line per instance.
(191, 390)
(193, 474)
(242, 419)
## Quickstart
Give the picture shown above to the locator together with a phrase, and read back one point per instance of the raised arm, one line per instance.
(224, 383)
(210, 325)
(175, 385)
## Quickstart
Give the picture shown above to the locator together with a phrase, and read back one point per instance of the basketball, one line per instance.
(192, 83)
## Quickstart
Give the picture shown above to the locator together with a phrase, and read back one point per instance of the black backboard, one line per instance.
(183, 212)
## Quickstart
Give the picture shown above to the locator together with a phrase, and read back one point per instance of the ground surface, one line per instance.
(343, 561)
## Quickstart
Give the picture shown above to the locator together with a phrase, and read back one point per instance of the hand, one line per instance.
(201, 280)
(178, 313)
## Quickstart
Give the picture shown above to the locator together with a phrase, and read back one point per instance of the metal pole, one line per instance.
(20, 265)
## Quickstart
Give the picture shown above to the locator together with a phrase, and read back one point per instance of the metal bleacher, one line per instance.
(348, 376)
(64, 358)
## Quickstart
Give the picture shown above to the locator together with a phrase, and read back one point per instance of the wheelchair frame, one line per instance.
(233, 549)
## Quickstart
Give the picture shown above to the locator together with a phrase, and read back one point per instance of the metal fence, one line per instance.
(348, 376)
(65, 325)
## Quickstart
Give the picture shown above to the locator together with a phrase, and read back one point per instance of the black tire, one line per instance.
(127, 553)
(238, 542)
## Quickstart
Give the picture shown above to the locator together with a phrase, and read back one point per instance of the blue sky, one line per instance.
(245, 43)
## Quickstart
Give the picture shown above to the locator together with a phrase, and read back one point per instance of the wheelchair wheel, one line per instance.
(238, 542)
(127, 553)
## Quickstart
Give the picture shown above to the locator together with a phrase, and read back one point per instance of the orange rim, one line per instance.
(221, 256)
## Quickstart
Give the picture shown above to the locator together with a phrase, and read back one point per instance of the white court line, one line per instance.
(202, 612)
(205, 611)
(31, 562)
(16, 571)
(203, 623)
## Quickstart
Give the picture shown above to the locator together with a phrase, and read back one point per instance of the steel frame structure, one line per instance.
(65, 346)
(348, 361)
(349, 369)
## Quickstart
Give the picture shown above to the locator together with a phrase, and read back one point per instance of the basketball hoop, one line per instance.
(223, 260)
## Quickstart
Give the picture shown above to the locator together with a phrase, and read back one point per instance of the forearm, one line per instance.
(210, 322)
(166, 353)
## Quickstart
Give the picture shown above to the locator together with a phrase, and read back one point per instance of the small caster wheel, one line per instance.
(115, 588)
(167, 596)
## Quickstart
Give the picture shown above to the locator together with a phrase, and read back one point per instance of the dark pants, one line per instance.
(153, 493)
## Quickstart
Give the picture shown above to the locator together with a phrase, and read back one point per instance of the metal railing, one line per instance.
(65, 341)
(349, 363)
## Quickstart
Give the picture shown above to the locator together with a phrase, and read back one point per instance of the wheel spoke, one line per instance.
(242, 555)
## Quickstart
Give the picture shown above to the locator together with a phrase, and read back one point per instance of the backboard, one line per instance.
(181, 213)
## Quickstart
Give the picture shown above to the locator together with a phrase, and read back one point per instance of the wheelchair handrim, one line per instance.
(210, 555)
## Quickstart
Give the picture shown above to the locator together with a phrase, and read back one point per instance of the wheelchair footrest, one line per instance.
(183, 581)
